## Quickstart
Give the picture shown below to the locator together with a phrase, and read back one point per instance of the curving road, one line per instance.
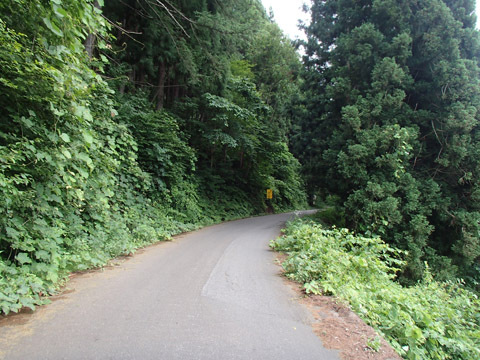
(212, 294)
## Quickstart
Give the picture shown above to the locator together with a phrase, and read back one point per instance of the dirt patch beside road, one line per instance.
(341, 329)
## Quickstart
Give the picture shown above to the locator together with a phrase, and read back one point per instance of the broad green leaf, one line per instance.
(59, 11)
(27, 302)
(83, 112)
(83, 173)
(66, 153)
(52, 276)
(84, 157)
(54, 28)
(42, 255)
(87, 137)
(23, 258)
(12, 232)
(27, 122)
(65, 137)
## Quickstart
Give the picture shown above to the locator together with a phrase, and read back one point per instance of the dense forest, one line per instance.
(391, 128)
(124, 122)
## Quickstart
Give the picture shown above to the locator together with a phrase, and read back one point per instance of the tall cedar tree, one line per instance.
(393, 102)
(228, 75)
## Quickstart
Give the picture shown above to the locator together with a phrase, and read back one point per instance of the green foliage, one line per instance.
(374, 343)
(331, 212)
(162, 148)
(210, 76)
(88, 173)
(332, 217)
(72, 192)
(430, 320)
(392, 100)
(242, 69)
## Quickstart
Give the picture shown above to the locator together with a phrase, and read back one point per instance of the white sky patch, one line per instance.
(286, 14)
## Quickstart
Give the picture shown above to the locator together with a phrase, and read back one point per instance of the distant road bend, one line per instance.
(211, 294)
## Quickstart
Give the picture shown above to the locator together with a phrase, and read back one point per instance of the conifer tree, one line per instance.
(392, 128)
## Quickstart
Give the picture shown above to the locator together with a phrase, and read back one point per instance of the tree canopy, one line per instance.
(393, 101)
(124, 122)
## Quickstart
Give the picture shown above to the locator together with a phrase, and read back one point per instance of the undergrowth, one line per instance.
(431, 320)
(27, 281)
(88, 173)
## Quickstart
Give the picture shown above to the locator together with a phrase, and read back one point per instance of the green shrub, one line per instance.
(431, 320)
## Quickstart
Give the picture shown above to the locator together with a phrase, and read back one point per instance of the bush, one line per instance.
(431, 320)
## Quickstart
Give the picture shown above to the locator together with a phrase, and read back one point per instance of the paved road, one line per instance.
(211, 294)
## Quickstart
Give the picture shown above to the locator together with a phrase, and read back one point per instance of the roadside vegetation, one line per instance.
(125, 122)
(389, 143)
(429, 320)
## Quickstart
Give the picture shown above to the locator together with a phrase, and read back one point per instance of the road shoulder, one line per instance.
(338, 327)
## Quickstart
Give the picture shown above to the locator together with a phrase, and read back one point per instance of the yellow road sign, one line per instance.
(269, 194)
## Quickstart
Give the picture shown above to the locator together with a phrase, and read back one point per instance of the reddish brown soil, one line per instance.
(341, 329)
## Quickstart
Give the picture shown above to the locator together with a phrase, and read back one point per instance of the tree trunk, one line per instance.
(90, 45)
(176, 93)
(162, 72)
(212, 151)
(131, 79)
(90, 41)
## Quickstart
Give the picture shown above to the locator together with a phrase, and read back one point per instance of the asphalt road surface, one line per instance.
(211, 294)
